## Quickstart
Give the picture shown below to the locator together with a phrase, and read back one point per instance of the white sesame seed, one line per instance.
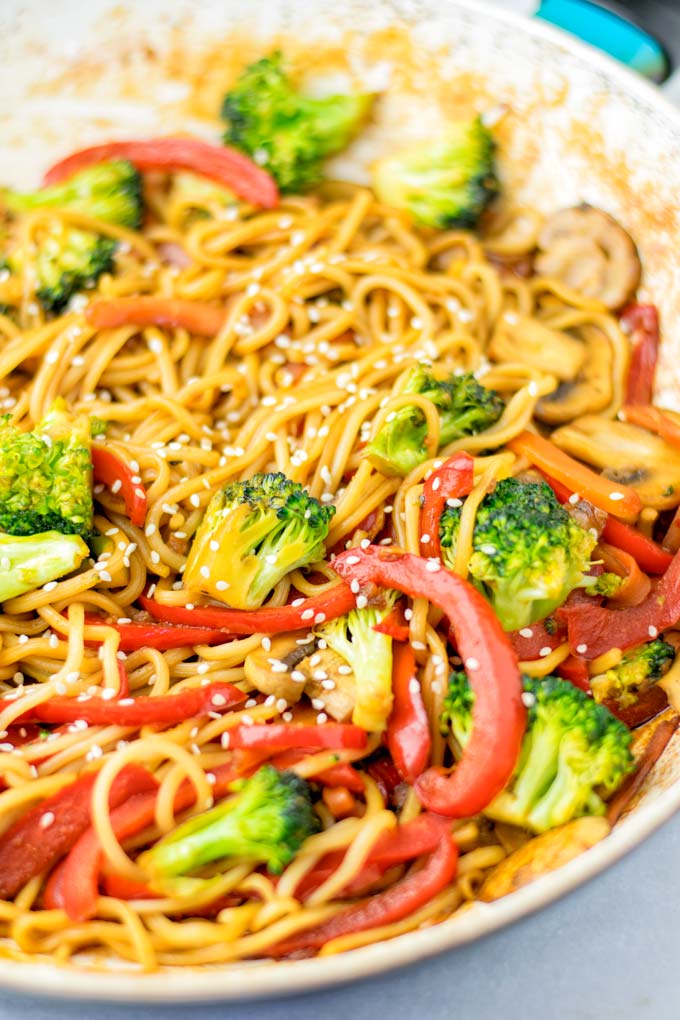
(528, 699)
(526, 632)
(321, 718)
(222, 585)
(321, 617)
(472, 664)
(46, 820)
(574, 498)
(652, 631)
(287, 716)
(94, 753)
(281, 705)
(50, 586)
(413, 686)
(581, 649)
(454, 502)
(218, 700)
(307, 614)
(205, 571)
(616, 496)
(545, 651)
(344, 670)
(433, 566)
(418, 646)
(362, 601)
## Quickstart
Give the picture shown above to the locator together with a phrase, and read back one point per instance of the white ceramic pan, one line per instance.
(580, 128)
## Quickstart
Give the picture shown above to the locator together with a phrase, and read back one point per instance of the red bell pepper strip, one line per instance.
(77, 890)
(632, 784)
(155, 635)
(394, 625)
(139, 711)
(454, 479)
(342, 774)
(648, 554)
(576, 672)
(123, 682)
(194, 316)
(420, 836)
(529, 645)
(282, 736)
(110, 470)
(408, 731)
(594, 630)
(579, 478)
(384, 773)
(44, 833)
(388, 907)
(642, 324)
(220, 163)
(317, 609)
(498, 714)
(654, 420)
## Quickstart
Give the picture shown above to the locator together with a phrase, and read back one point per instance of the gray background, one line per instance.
(609, 951)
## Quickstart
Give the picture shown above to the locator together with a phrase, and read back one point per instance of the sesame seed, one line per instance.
(150, 530)
(218, 700)
(46, 820)
(454, 502)
(204, 571)
(472, 664)
(222, 585)
(362, 601)
(116, 486)
(153, 556)
(307, 614)
(418, 646)
(528, 699)
(287, 716)
(545, 651)
(526, 632)
(94, 753)
(616, 496)
(321, 718)
(574, 498)
(321, 617)
(298, 676)
(202, 668)
(266, 643)
(433, 566)
(581, 649)
(425, 539)
(50, 586)
(652, 631)
(344, 670)
(328, 685)
(413, 686)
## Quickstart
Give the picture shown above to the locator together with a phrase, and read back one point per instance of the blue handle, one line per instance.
(611, 32)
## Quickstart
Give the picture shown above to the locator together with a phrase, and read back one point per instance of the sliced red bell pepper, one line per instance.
(317, 609)
(155, 635)
(529, 645)
(642, 324)
(394, 625)
(44, 833)
(648, 554)
(594, 630)
(77, 889)
(194, 316)
(420, 836)
(111, 471)
(453, 480)
(408, 731)
(388, 907)
(383, 771)
(498, 715)
(653, 419)
(576, 672)
(342, 774)
(143, 710)
(282, 736)
(220, 163)
(600, 491)
(123, 682)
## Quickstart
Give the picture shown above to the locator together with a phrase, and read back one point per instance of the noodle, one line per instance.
(328, 301)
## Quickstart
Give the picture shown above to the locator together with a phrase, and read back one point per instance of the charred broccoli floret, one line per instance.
(465, 408)
(527, 552)
(574, 752)
(267, 819)
(70, 258)
(46, 475)
(253, 534)
(443, 183)
(637, 671)
(30, 561)
(369, 653)
(286, 132)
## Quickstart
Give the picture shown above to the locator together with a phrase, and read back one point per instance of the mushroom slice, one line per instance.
(519, 338)
(330, 668)
(263, 667)
(627, 454)
(543, 854)
(590, 252)
(590, 391)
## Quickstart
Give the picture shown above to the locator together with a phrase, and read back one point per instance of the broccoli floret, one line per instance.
(29, 562)
(444, 183)
(369, 653)
(606, 584)
(465, 408)
(573, 753)
(46, 475)
(527, 552)
(288, 133)
(267, 820)
(69, 258)
(637, 671)
(253, 534)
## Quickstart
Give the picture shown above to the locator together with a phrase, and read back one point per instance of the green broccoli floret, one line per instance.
(606, 584)
(369, 653)
(637, 671)
(444, 183)
(253, 534)
(528, 553)
(267, 820)
(573, 753)
(465, 408)
(288, 133)
(69, 258)
(46, 475)
(28, 562)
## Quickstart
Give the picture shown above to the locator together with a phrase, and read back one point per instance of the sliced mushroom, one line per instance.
(519, 338)
(627, 454)
(543, 854)
(330, 668)
(263, 667)
(590, 391)
(590, 252)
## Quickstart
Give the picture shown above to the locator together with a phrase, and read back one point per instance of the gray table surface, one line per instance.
(609, 951)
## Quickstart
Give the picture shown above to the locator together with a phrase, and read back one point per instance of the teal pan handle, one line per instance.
(613, 32)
